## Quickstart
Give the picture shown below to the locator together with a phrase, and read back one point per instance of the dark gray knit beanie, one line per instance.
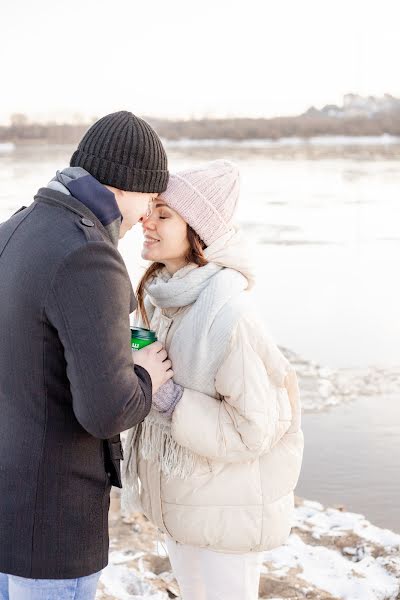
(123, 151)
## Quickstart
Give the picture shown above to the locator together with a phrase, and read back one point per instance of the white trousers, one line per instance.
(206, 575)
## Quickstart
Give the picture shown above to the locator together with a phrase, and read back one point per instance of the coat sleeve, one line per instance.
(252, 413)
(88, 304)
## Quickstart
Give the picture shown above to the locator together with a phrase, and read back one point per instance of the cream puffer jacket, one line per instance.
(240, 411)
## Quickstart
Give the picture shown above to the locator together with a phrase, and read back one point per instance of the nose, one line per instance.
(148, 223)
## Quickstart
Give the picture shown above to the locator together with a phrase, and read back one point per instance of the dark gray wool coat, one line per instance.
(67, 385)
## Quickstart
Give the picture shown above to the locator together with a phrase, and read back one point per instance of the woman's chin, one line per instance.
(147, 254)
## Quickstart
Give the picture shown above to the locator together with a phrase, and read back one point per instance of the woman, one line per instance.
(220, 453)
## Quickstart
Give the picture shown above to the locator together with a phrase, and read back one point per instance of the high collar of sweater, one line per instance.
(78, 183)
(230, 251)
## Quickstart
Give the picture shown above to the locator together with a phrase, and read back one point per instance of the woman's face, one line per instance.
(165, 237)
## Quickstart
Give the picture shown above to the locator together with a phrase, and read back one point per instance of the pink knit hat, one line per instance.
(206, 197)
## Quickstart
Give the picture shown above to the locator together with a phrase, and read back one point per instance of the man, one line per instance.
(68, 385)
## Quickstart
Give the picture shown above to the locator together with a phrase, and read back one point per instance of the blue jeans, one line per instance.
(20, 588)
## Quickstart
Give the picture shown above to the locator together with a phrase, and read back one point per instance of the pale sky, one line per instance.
(176, 58)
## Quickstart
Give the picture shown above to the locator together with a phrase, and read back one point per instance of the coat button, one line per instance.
(87, 222)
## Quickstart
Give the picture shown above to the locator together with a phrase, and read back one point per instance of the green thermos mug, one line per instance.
(140, 337)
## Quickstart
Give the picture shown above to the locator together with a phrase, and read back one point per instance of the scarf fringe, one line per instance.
(158, 446)
(153, 440)
(130, 494)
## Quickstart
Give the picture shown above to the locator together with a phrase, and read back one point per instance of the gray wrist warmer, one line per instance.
(167, 397)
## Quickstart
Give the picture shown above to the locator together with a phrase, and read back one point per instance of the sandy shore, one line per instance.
(331, 554)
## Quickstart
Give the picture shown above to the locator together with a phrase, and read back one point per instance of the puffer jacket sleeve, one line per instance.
(257, 404)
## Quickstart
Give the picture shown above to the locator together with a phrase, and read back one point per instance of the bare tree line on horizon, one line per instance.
(22, 130)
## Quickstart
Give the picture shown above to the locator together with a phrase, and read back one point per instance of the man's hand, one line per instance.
(154, 359)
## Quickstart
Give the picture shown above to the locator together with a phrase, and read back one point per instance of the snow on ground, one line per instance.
(330, 555)
(340, 553)
(332, 572)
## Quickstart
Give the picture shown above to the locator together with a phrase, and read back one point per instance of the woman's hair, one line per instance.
(194, 255)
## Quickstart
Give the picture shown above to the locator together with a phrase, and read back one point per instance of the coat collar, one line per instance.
(50, 196)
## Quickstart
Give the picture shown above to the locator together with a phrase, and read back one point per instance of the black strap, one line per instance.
(116, 450)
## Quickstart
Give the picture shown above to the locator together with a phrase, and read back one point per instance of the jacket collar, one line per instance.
(50, 196)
